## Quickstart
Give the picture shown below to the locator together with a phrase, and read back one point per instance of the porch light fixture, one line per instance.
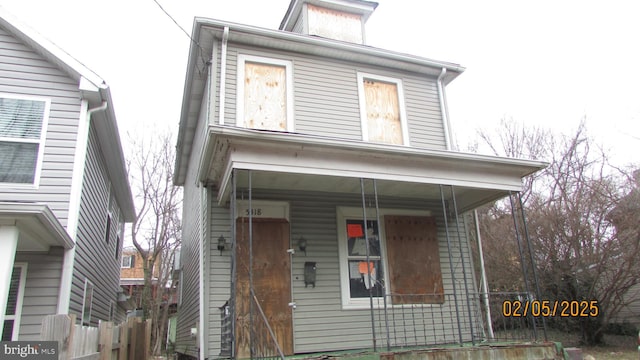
(302, 245)
(222, 243)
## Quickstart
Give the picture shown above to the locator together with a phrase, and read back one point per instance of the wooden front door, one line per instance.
(271, 283)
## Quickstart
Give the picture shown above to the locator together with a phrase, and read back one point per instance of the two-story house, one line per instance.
(132, 280)
(322, 197)
(64, 193)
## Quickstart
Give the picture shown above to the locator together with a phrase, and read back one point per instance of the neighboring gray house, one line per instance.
(319, 175)
(64, 193)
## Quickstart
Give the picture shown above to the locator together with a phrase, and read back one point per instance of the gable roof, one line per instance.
(92, 88)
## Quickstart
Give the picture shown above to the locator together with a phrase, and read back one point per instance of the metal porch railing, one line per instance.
(262, 342)
(428, 320)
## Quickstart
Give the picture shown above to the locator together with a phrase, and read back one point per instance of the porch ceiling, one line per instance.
(38, 228)
(293, 161)
(466, 198)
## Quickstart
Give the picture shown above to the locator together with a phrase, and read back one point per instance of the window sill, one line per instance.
(18, 186)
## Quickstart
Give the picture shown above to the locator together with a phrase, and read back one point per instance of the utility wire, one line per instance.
(178, 25)
(202, 52)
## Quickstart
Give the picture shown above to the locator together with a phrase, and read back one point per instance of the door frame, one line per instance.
(263, 211)
(17, 316)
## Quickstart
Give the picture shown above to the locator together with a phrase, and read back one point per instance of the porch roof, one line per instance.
(38, 226)
(307, 162)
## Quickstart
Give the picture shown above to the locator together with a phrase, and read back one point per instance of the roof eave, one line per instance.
(294, 42)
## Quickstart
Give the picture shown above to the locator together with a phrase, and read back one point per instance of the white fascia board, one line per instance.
(328, 143)
(109, 141)
(47, 48)
(38, 219)
(233, 148)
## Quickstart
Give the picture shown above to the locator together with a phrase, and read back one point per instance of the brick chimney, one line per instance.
(334, 19)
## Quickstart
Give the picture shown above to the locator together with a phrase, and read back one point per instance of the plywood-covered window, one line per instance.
(264, 94)
(382, 110)
(414, 259)
(334, 24)
(403, 258)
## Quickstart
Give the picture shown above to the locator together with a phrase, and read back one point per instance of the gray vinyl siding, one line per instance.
(320, 323)
(24, 72)
(326, 97)
(193, 222)
(41, 290)
(95, 258)
(630, 312)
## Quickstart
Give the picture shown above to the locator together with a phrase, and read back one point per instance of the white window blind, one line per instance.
(22, 128)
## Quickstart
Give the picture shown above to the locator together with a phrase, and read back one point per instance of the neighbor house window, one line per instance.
(107, 230)
(382, 112)
(265, 93)
(403, 260)
(128, 261)
(11, 326)
(87, 302)
(23, 123)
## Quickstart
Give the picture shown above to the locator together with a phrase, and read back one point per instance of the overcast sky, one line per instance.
(543, 62)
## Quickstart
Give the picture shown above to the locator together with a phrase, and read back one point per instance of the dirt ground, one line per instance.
(617, 347)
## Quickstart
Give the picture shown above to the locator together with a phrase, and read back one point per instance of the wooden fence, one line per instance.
(129, 340)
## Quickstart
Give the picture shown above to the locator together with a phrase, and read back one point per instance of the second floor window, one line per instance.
(128, 261)
(264, 94)
(382, 110)
(22, 132)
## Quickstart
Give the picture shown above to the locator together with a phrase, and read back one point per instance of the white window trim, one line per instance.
(363, 105)
(122, 266)
(355, 213)
(41, 141)
(84, 300)
(288, 65)
(19, 301)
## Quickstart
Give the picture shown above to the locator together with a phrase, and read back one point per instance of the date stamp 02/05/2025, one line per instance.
(549, 308)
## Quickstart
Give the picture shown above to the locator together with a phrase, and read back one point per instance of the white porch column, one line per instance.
(8, 245)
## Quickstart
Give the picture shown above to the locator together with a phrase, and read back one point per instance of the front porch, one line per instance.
(320, 247)
(32, 250)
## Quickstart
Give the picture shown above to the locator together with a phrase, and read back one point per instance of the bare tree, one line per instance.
(156, 231)
(582, 225)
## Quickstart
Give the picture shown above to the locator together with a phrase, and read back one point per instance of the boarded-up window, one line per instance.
(414, 259)
(265, 96)
(382, 107)
(334, 24)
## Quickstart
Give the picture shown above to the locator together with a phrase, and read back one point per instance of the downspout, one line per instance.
(448, 137)
(82, 143)
(223, 74)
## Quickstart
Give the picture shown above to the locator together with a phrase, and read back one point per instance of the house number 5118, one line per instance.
(254, 212)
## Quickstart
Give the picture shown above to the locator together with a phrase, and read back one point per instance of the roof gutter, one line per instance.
(312, 41)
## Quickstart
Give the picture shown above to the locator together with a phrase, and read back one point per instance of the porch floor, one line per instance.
(482, 351)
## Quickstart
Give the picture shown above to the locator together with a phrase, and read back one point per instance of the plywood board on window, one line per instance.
(383, 112)
(333, 24)
(414, 259)
(265, 97)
